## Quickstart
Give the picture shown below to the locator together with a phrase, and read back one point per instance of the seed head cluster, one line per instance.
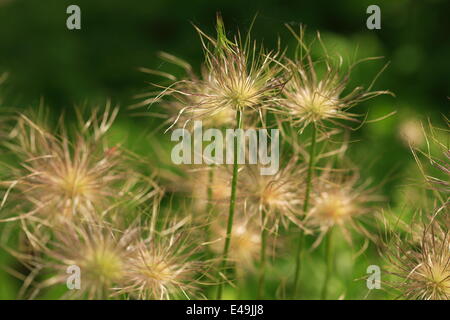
(96, 216)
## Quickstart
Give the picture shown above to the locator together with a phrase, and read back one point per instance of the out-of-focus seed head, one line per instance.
(411, 133)
(276, 197)
(246, 241)
(338, 201)
(98, 250)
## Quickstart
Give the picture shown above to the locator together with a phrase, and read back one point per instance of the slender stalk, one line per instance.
(209, 203)
(209, 191)
(226, 248)
(301, 239)
(262, 264)
(329, 262)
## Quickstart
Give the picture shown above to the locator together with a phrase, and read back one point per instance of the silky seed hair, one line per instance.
(245, 248)
(274, 198)
(421, 270)
(237, 74)
(165, 263)
(210, 186)
(97, 250)
(60, 177)
(313, 97)
(340, 200)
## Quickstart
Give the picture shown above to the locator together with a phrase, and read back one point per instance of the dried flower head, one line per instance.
(140, 261)
(60, 177)
(311, 96)
(95, 251)
(338, 201)
(274, 197)
(196, 89)
(422, 271)
(236, 75)
(164, 265)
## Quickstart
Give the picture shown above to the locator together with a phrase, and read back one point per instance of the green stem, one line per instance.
(209, 203)
(209, 192)
(226, 248)
(262, 264)
(329, 262)
(301, 239)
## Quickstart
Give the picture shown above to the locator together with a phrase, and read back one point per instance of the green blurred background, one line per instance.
(47, 62)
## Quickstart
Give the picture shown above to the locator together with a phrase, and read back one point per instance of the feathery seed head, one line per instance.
(337, 201)
(423, 270)
(98, 250)
(163, 266)
(277, 197)
(317, 97)
(236, 75)
(60, 179)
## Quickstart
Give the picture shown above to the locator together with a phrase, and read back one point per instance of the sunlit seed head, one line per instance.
(236, 75)
(156, 271)
(98, 250)
(75, 183)
(276, 196)
(437, 275)
(339, 199)
(199, 95)
(241, 75)
(240, 93)
(64, 175)
(246, 240)
(421, 270)
(312, 104)
(272, 197)
(160, 275)
(152, 271)
(162, 266)
(316, 96)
